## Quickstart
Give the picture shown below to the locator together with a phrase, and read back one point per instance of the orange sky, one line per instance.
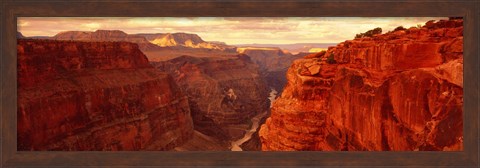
(232, 30)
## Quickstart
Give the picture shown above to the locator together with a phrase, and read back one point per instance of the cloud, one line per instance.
(92, 26)
(22, 23)
(232, 30)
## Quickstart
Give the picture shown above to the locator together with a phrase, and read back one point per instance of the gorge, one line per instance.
(236, 145)
(224, 93)
(107, 90)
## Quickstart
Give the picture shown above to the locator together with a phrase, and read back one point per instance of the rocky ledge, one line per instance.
(399, 91)
(96, 96)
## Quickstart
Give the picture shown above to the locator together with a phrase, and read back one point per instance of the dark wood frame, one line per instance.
(10, 10)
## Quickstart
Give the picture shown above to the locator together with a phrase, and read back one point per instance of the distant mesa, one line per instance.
(172, 45)
(183, 40)
(157, 46)
(292, 48)
(88, 35)
(175, 39)
(105, 35)
(316, 50)
(217, 42)
(271, 49)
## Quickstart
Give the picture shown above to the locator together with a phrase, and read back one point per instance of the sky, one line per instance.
(231, 30)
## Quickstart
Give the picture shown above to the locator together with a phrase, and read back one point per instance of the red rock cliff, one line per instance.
(222, 90)
(96, 96)
(402, 90)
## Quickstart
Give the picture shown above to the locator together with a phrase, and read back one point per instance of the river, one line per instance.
(235, 145)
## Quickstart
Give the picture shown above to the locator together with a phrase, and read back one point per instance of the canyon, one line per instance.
(224, 92)
(96, 96)
(107, 90)
(220, 92)
(156, 46)
(399, 91)
(173, 45)
(273, 62)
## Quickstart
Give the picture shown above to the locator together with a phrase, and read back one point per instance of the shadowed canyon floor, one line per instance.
(236, 145)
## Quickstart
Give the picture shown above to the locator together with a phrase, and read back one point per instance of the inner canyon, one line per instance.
(109, 90)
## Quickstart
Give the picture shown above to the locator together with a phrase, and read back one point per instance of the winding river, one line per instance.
(235, 145)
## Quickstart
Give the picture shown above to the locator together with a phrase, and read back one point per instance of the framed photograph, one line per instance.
(256, 83)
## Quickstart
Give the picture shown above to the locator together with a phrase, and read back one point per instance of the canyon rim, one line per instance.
(240, 84)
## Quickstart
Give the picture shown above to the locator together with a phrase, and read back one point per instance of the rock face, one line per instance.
(173, 45)
(183, 40)
(273, 63)
(398, 91)
(267, 58)
(221, 91)
(106, 35)
(96, 96)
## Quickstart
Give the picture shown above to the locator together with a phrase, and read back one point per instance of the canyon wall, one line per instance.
(106, 35)
(222, 91)
(184, 40)
(399, 91)
(270, 59)
(273, 63)
(96, 96)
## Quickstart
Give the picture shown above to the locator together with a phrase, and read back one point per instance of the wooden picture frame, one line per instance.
(10, 10)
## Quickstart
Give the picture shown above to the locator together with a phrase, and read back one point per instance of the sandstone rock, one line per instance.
(314, 69)
(221, 91)
(105, 35)
(185, 40)
(316, 55)
(96, 96)
(391, 92)
(273, 63)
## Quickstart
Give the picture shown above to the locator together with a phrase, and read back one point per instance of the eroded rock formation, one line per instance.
(222, 91)
(106, 35)
(273, 63)
(96, 96)
(402, 90)
(184, 40)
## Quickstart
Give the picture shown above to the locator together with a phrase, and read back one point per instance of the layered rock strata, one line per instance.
(96, 96)
(399, 91)
(273, 63)
(184, 40)
(106, 35)
(222, 91)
